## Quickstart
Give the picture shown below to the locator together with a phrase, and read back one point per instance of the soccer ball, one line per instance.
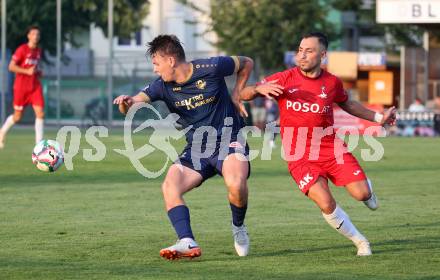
(48, 155)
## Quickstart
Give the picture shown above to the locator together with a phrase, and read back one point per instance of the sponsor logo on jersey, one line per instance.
(357, 172)
(293, 90)
(306, 179)
(177, 88)
(307, 107)
(201, 84)
(31, 61)
(194, 102)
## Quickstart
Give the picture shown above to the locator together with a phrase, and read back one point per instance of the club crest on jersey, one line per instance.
(323, 95)
(201, 84)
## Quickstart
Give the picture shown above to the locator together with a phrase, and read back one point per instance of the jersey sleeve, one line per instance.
(18, 55)
(341, 95)
(280, 77)
(226, 65)
(154, 90)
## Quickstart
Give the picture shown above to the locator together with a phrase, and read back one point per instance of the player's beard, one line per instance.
(311, 69)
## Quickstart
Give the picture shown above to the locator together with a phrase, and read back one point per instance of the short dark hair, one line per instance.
(32, 27)
(166, 44)
(322, 38)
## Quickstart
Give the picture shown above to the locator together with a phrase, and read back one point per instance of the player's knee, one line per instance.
(327, 206)
(17, 116)
(235, 183)
(363, 195)
(166, 187)
(39, 115)
(238, 198)
(169, 189)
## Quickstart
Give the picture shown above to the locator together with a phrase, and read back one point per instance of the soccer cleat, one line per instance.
(241, 240)
(184, 248)
(363, 248)
(372, 202)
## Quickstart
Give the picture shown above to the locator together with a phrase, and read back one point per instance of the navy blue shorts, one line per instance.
(211, 164)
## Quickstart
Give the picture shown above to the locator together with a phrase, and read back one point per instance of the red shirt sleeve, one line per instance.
(280, 76)
(18, 56)
(340, 94)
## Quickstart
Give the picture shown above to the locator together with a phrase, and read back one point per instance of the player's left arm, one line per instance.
(357, 109)
(243, 67)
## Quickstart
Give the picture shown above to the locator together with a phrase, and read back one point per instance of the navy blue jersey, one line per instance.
(203, 100)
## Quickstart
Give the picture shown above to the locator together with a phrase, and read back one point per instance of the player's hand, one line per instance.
(389, 117)
(239, 105)
(270, 89)
(124, 102)
(31, 71)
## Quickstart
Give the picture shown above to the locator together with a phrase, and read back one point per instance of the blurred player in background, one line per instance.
(305, 96)
(27, 86)
(197, 92)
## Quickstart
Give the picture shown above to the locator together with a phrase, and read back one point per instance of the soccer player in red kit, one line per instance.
(27, 87)
(305, 96)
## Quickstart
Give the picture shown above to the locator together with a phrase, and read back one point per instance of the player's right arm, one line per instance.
(18, 57)
(269, 89)
(151, 93)
(13, 67)
(126, 101)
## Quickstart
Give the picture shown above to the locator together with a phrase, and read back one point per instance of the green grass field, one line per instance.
(103, 220)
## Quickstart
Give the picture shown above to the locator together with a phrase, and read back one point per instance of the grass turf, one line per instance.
(103, 220)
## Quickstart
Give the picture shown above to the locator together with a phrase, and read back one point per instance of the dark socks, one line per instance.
(238, 214)
(179, 217)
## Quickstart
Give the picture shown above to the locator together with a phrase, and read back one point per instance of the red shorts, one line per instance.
(306, 173)
(24, 98)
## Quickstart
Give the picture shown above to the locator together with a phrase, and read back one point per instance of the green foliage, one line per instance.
(265, 29)
(76, 16)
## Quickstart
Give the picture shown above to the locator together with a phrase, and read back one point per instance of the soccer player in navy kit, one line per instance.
(197, 92)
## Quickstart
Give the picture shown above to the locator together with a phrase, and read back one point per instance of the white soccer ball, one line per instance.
(48, 155)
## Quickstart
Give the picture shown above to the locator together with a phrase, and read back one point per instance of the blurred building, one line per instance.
(165, 17)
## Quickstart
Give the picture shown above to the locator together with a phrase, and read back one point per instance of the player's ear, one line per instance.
(172, 61)
(323, 54)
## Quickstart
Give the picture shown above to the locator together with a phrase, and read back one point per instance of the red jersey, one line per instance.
(306, 110)
(26, 57)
